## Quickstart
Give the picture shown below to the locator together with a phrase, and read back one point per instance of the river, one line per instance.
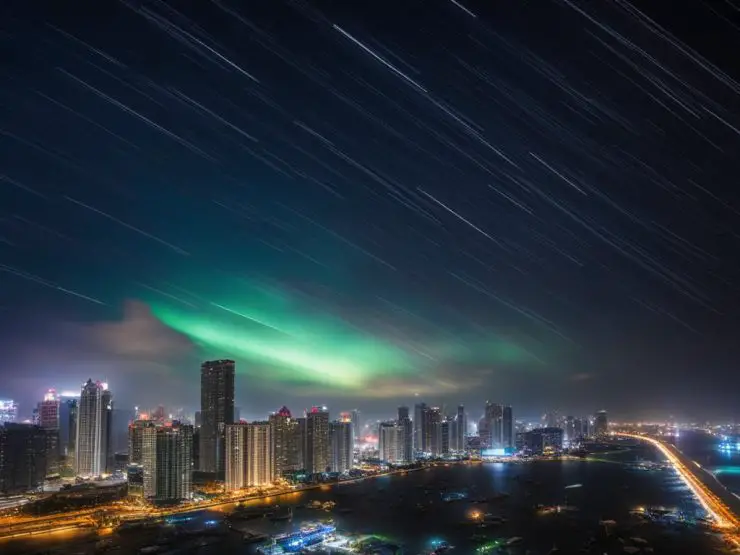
(408, 509)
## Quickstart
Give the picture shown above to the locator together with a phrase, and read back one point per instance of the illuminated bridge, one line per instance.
(713, 496)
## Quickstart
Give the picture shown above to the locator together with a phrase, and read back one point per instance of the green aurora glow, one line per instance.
(275, 339)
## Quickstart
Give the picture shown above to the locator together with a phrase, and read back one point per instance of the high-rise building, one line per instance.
(407, 441)
(23, 450)
(507, 425)
(341, 446)
(93, 427)
(422, 433)
(317, 440)
(461, 430)
(48, 410)
(601, 424)
(8, 411)
(499, 427)
(136, 440)
(356, 425)
(167, 461)
(390, 435)
(286, 436)
(216, 411)
(249, 455)
(445, 428)
(68, 428)
(301, 442)
(541, 440)
(434, 428)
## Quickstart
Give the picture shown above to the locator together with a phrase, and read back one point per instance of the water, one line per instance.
(704, 449)
(408, 509)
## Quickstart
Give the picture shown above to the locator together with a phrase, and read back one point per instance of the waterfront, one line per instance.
(705, 450)
(408, 510)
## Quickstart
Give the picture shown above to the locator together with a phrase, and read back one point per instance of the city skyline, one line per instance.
(455, 209)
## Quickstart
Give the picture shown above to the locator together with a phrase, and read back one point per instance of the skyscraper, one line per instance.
(390, 442)
(600, 424)
(317, 440)
(287, 439)
(507, 433)
(68, 428)
(8, 411)
(499, 430)
(434, 428)
(407, 441)
(93, 412)
(356, 425)
(461, 429)
(167, 460)
(235, 477)
(23, 451)
(49, 421)
(216, 411)
(341, 445)
(421, 429)
(249, 455)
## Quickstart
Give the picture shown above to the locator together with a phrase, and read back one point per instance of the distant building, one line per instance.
(356, 425)
(136, 440)
(434, 424)
(406, 454)
(541, 441)
(68, 428)
(422, 437)
(48, 410)
(92, 452)
(317, 440)
(341, 446)
(601, 424)
(167, 461)
(286, 435)
(497, 427)
(23, 452)
(8, 411)
(390, 441)
(445, 429)
(216, 411)
(460, 430)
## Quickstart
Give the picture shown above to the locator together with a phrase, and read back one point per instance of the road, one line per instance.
(20, 526)
(703, 485)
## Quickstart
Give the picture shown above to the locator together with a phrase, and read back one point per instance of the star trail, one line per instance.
(458, 200)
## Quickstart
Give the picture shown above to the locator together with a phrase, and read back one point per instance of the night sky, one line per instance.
(372, 203)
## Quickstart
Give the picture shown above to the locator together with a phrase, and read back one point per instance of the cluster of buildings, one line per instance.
(73, 436)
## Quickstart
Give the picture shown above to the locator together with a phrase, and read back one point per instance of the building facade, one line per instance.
(317, 450)
(286, 435)
(390, 443)
(407, 441)
(341, 446)
(216, 411)
(23, 452)
(601, 424)
(93, 427)
(167, 462)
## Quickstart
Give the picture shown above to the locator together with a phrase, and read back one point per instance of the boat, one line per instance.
(296, 542)
(250, 537)
(282, 515)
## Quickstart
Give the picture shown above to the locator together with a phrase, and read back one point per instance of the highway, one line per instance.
(703, 485)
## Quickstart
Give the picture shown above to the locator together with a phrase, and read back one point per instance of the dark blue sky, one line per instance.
(366, 203)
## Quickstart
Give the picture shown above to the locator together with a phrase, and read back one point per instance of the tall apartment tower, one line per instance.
(341, 446)
(461, 429)
(93, 429)
(249, 455)
(390, 436)
(287, 440)
(317, 440)
(406, 453)
(216, 411)
(167, 460)
(49, 420)
(421, 429)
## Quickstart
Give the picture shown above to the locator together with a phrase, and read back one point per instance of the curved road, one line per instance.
(707, 490)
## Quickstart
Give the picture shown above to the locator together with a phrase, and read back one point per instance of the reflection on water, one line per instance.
(410, 510)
